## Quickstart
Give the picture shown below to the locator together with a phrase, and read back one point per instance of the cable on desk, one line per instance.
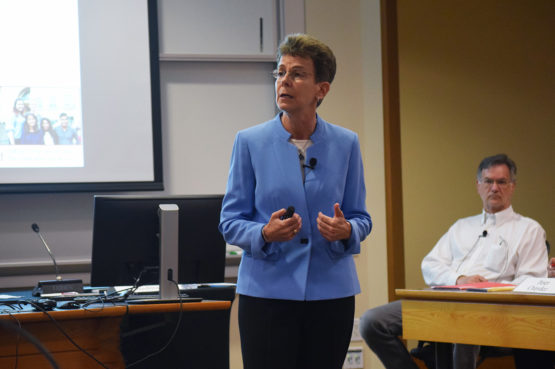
(137, 281)
(18, 336)
(178, 324)
(101, 300)
(111, 298)
(61, 329)
(11, 305)
(29, 337)
(5, 311)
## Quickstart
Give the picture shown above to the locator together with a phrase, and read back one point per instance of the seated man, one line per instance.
(497, 245)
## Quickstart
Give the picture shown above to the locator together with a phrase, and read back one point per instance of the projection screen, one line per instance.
(79, 96)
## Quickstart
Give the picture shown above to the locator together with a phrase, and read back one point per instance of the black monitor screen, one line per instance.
(126, 239)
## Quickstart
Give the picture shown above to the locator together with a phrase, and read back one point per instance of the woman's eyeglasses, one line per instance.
(295, 75)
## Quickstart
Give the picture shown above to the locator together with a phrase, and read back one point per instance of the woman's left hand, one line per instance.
(336, 228)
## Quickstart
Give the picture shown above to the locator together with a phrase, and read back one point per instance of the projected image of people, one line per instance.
(40, 127)
(29, 126)
(12, 127)
(49, 136)
(67, 135)
(19, 111)
(31, 134)
(6, 134)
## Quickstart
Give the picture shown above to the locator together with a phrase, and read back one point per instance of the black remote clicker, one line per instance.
(288, 213)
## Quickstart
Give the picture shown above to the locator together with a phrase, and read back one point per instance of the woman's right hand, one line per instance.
(278, 230)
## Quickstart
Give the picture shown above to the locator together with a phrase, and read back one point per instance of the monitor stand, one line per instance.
(169, 257)
(169, 251)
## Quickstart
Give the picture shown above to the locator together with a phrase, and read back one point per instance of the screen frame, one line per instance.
(126, 234)
(157, 184)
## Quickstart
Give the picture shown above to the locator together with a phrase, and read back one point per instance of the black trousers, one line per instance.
(286, 334)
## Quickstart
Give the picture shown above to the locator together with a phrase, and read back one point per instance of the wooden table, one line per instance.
(97, 330)
(504, 319)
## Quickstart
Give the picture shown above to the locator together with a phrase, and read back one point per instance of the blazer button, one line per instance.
(304, 241)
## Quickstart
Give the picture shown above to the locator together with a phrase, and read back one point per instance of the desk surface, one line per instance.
(110, 310)
(500, 297)
(503, 319)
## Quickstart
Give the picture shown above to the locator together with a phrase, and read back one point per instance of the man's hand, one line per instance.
(278, 230)
(551, 268)
(336, 228)
(463, 279)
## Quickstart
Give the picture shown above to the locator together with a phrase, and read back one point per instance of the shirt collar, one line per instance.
(497, 218)
(284, 134)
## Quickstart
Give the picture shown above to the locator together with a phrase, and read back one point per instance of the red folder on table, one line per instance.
(478, 287)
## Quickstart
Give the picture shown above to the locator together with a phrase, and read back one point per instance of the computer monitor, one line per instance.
(126, 239)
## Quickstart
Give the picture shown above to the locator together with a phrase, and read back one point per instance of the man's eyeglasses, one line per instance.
(295, 75)
(501, 183)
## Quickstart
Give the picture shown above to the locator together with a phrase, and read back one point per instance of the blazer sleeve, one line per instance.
(237, 223)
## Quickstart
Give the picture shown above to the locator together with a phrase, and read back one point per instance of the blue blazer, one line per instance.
(265, 176)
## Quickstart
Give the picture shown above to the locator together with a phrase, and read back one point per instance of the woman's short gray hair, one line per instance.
(306, 46)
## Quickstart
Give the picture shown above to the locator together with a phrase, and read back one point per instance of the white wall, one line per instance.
(204, 104)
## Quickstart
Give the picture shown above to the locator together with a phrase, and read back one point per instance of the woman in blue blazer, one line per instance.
(297, 277)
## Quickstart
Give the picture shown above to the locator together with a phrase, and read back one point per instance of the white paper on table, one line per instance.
(537, 285)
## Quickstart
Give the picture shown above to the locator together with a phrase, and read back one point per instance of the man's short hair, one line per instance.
(499, 159)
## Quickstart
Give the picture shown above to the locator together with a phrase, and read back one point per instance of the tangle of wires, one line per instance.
(91, 304)
(40, 307)
(21, 332)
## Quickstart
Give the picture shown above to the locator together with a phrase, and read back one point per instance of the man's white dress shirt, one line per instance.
(502, 247)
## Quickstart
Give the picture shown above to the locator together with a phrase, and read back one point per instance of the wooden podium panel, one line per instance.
(494, 318)
(97, 330)
(99, 336)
